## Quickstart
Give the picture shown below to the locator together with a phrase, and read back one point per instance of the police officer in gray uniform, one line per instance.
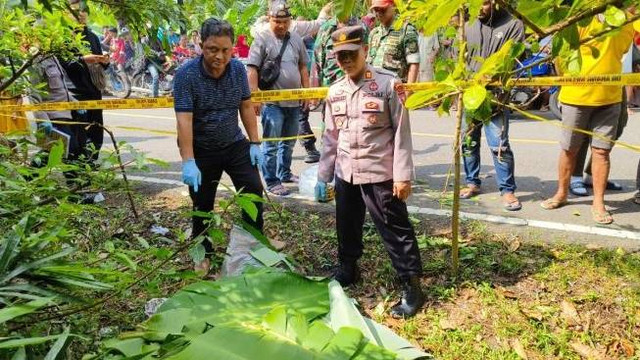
(367, 147)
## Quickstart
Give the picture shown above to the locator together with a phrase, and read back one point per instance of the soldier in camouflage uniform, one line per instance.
(393, 50)
(325, 68)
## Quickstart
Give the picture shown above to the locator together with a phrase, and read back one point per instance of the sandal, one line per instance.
(469, 192)
(578, 188)
(511, 202)
(610, 186)
(551, 204)
(514, 205)
(602, 218)
(279, 190)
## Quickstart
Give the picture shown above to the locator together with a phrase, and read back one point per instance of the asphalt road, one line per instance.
(534, 144)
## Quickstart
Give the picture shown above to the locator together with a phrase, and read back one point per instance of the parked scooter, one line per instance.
(536, 97)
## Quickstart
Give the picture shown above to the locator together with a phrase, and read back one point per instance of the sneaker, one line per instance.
(278, 190)
(292, 179)
(313, 156)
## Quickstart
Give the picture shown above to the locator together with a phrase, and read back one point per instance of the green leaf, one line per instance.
(439, 18)
(281, 335)
(474, 8)
(450, 32)
(343, 313)
(249, 297)
(270, 258)
(474, 97)
(420, 98)
(36, 264)
(21, 354)
(125, 260)
(16, 343)
(248, 206)
(8, 250)
(535, 47)
(55, 154)
(614, 16)
(197, 253)
(58, 346)
(15, 311)
(343, 9)
(130, 347)
(500, 62)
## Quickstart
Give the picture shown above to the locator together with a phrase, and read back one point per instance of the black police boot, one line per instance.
(346, 273)
(313, 155)
(412, 298)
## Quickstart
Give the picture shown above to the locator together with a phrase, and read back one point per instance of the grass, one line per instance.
(513, 298)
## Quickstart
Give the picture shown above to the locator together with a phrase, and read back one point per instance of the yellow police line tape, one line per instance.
(315, 93)
(160, 132)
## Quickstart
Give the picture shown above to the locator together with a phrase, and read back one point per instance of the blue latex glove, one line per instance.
(321, 191)
(47, 127)
(255, 153)
(81, 111)
(191, 174)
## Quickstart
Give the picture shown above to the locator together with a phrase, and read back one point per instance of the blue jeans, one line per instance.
(497, 133)
(278, 122)
(155, 80)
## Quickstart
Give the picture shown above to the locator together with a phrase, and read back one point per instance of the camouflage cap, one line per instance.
(279, 9)
(348, 38)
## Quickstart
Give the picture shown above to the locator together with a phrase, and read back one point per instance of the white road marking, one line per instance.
(572, 228)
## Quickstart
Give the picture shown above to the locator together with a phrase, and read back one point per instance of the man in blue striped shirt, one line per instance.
(209, 92)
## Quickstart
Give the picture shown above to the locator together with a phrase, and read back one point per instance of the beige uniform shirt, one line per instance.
(368, 136)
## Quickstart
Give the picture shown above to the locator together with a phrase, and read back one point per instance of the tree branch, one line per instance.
(513, 11)
(5, 84)
(122, 169)
(574, 19)
(582, 42)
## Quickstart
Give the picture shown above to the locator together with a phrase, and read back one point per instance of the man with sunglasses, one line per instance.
(367, 146)
(391, 49)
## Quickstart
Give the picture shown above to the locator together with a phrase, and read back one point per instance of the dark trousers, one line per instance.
(235, 161)
(581, 158)
(95, 133)
(77, 139)
(305, 129)
(390, 217)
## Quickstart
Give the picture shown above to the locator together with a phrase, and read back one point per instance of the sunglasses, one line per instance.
(347, 55)
(379, 10)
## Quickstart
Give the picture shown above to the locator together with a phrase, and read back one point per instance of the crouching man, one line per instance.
(367, 146)
(210, 91)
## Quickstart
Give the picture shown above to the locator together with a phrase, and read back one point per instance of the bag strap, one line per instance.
(285, 42)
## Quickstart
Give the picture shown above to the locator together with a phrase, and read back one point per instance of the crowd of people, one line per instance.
(366, 143)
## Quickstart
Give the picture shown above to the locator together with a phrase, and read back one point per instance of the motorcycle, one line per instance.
(527, 97)
(117, 81)
(142, 81)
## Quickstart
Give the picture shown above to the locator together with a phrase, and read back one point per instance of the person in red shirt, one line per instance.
(181, 52)
(241, 49)
(116, 49)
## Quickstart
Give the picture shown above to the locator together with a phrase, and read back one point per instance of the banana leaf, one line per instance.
(281, 335)
(344, 313)
(248, 298)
